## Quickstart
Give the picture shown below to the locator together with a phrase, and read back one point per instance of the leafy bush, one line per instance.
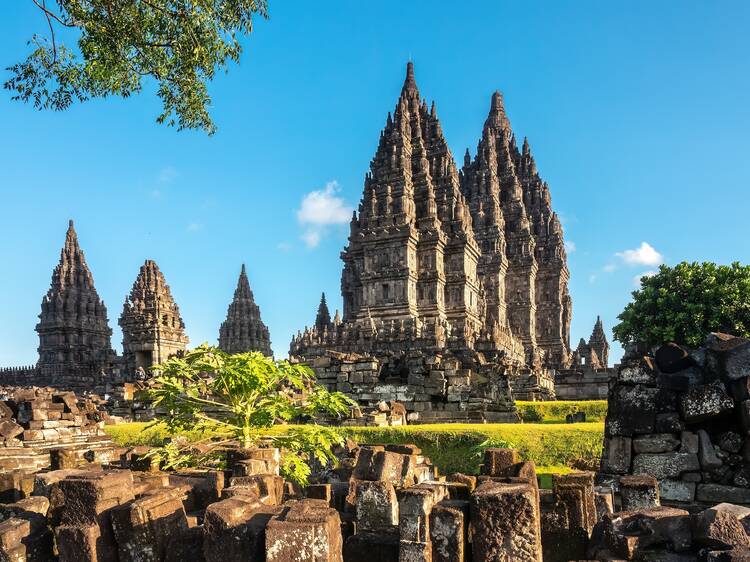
(241, 397)
(686, 302)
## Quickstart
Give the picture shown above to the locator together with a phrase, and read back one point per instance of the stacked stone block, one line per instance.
(432, 389)
(680, 416)
(388, 505)
(40, 427)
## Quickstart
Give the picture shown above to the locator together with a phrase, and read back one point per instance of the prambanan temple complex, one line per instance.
(454, 285)
(456, 304)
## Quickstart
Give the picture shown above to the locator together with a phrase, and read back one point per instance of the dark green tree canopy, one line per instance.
(180, 44)
(686, 302)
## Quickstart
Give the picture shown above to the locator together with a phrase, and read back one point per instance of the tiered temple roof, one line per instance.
(243, 330)
(152, 329)
(437, 258)
(73, 329)
(523, 266)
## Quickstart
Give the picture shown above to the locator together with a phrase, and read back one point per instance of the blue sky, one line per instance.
(636, 113)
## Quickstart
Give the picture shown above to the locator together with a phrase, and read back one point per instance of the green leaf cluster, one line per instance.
(180, 44)
(243, 396)
(686, 302)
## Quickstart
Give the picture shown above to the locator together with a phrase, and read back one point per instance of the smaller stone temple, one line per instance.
(152, 329)
(243, 330)
(595, 353)
(74, 336)
(589, 375)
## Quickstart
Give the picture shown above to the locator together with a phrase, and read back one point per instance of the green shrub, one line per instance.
(686, 302)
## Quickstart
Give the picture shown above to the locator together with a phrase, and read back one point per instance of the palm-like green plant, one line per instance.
(242, 397)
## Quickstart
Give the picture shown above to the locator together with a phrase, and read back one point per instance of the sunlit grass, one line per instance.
(452, 447)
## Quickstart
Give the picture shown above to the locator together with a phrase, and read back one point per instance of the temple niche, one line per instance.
(152, 329)
(468, 263)
(243, 330)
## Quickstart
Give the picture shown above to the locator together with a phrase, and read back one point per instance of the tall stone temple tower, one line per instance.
(74, 336)
(437, 259)
(243, 330)
(152, 329)
(523, 266)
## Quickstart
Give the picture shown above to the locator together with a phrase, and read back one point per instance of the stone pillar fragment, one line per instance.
(497, 461)
(304, 531)
(505, 523)
(143, 527)
(235, 530)
(449, 526)
(375, 504)
(87, 502)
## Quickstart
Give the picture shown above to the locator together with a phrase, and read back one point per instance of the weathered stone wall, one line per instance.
(682, 416)
(431, 388)
(587, 384)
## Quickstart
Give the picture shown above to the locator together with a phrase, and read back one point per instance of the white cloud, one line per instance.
(319, 209)
(637, 278)
(609, 268)
(311, 238)
(592, 278)
(283, 246)
(645, 254)
(194, 227)
(570, 246)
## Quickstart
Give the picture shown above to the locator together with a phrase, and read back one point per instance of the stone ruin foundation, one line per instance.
(381, 503)
(41, 427)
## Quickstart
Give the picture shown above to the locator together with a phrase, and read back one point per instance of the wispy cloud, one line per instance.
(319, 209)
(194, 227)
(645, 254)
(570, 246)
(283, 247)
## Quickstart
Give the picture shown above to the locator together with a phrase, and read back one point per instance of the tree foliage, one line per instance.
(179, 43)
(241, 397)
(686, 302)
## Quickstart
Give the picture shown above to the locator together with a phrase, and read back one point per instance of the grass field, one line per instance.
(452, 447)
(555, 412)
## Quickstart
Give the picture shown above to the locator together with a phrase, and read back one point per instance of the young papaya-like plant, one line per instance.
(242, 397)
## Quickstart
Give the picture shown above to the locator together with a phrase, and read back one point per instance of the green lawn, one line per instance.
(555, 411)
(452, 447)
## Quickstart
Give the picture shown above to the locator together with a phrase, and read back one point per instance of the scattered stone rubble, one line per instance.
(380, 504)
(40, 427)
